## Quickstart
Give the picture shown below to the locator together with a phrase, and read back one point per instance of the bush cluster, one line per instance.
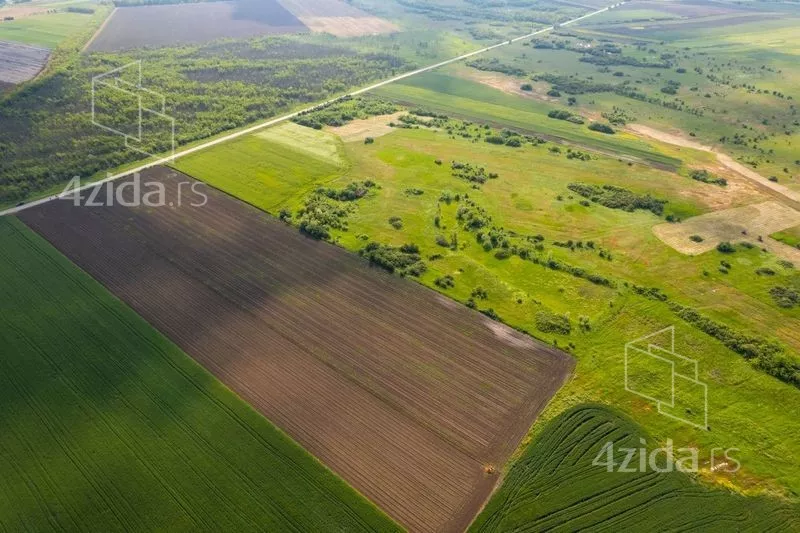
(618, 198)
(404, 260)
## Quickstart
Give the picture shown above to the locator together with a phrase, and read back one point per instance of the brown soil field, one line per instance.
(170, 25)
(374, 127)
(337, 18)
(20, 62)
(406, 394)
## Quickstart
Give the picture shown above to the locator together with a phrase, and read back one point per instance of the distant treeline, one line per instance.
(47, 136)
(127, 3)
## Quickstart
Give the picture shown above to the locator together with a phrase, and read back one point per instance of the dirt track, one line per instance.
(405, 394)
(787, 194)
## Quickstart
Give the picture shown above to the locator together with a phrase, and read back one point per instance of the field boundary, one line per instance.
(99, 30)
(289, 116)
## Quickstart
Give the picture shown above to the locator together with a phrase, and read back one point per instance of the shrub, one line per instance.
(726, 248)
(548, 322)
(785, 297)
(404, 260)
(763, 354)
(707, 177)
(526, 87)
(353, 191)
(396, 222)
(601, 128)
(369, 140)
(618, 198)
(445, 282)
(696, 238)
(480, 293)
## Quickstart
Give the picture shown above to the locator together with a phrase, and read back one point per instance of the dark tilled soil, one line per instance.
(404, 393)
(169, 25)
(20, 62)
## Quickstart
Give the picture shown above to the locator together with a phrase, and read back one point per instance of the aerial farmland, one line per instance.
(19, 62)
(411, 399)
(399, 265)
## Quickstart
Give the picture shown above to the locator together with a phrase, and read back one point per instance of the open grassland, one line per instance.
(108, 426)
(790, 237)
(47, 30)
(267, 173)
(414, 400)
(734, 91)
(727, 79)
(472, 101)
(531, 197)
(555, 486)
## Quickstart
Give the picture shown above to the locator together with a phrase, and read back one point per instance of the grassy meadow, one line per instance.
(728, 80)
(48, 30)
(108, 426)
(748, 409)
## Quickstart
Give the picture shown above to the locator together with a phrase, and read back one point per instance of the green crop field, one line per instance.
(531, 197)
(790, 236)
(46, 30)
(108, 426)
(555, 486)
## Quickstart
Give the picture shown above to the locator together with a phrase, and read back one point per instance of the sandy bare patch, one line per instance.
(337, 18)
(509, 84)
(734, 225)
(374, 127)
(349, 26)
(725, 160)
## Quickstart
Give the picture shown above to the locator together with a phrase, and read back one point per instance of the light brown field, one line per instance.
(374, 127)
(405, 394)
(784, 193)
(509, 84)
(337, 18)
(734, 225)
(19, 12)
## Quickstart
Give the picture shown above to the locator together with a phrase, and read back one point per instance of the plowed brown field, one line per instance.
(405, 394)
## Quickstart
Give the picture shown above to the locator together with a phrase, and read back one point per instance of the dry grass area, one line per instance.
(725, 161)
(738, 224)
(19, 12)
(406, 395)
(337, 18)
(359, 130)
(349, 26)
(509, 84)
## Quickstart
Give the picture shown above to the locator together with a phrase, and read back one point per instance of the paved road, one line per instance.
(290, 116)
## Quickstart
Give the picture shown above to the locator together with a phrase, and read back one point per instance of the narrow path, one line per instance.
(290, 116)
(727, 161)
